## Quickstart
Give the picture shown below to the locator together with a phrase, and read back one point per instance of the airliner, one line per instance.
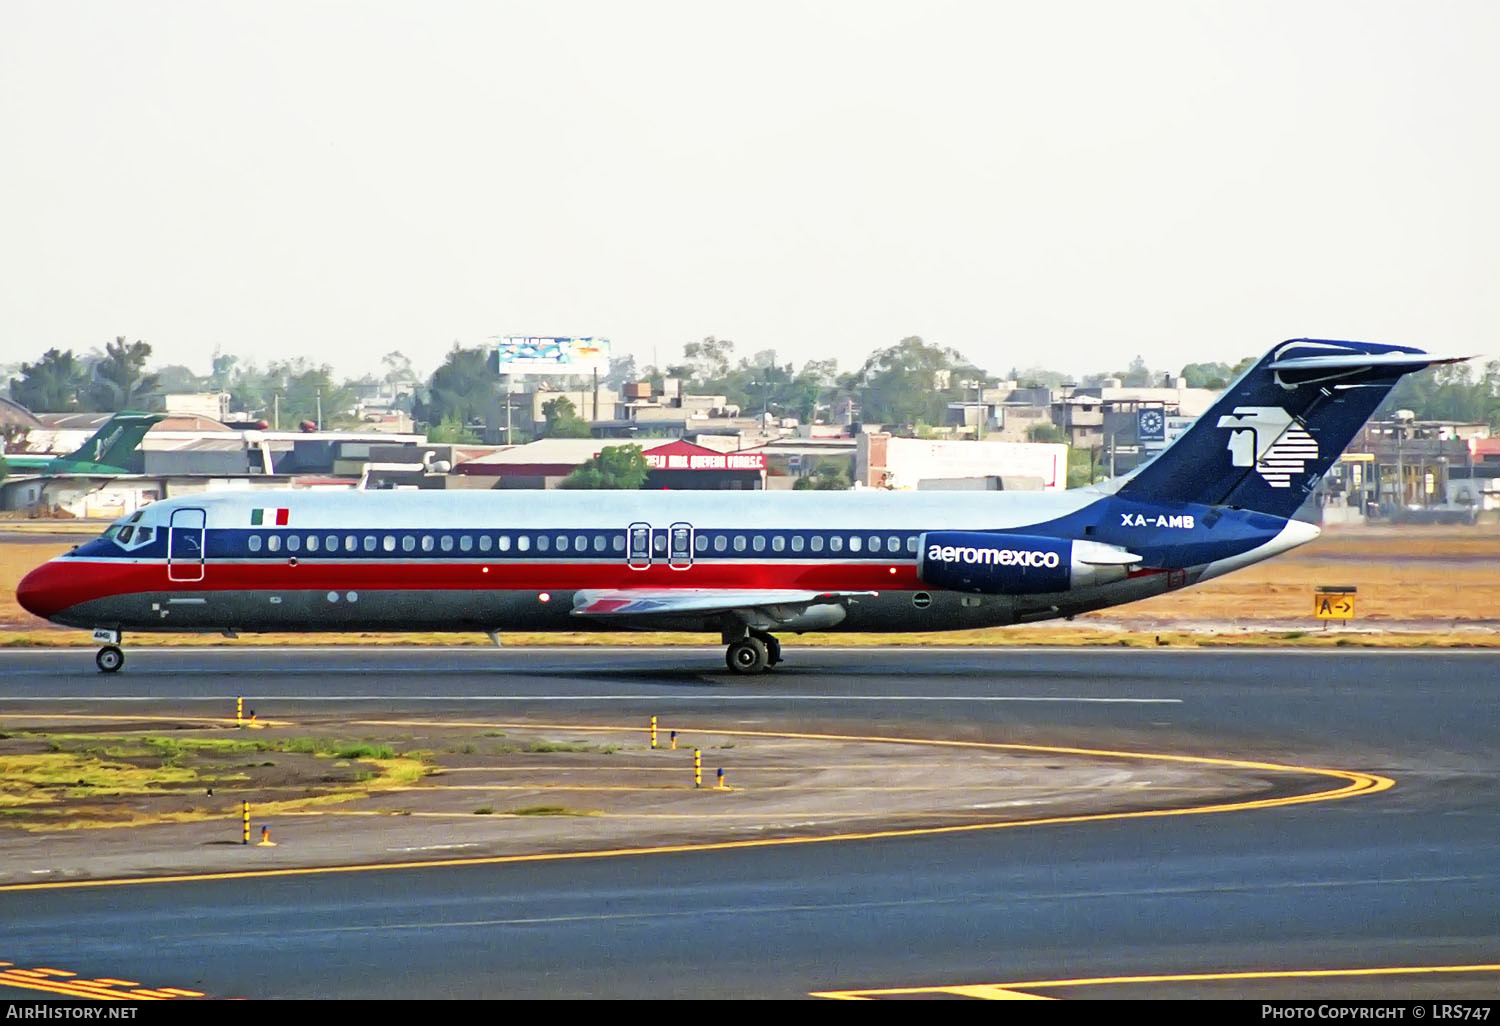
(742, 564)
(108, 451)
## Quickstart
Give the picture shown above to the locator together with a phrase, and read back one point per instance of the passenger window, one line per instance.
(659, 544)
(465, 543)
(796, 543)
(427, 543)
(562, 543)
(388, 543)
(273, 543)
(893, 544)
(369, 543)
(778, 543)
(351, 543)
(542, 541)
(874, 543)
(854, 542)
(446, 543)
(911, 544)
(739, 543)
(312, 543)
(700, 543)
(503, 542)
(408, 543)
(523, 543)
(836, 544)
(618, 543)
(720, 543)
(600, 544)
(817, 543)
(484, 543)
(293, 542)
(254, 540)
(580, 543)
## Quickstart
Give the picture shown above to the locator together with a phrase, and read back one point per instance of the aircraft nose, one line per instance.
(41, 593)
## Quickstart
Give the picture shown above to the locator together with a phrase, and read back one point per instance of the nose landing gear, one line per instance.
(109, 659)
(754, 652)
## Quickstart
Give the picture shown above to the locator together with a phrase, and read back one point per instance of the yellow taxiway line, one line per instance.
(1352, 783)
(1022, 989)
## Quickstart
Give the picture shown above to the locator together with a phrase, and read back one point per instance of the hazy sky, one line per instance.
(1066, 184)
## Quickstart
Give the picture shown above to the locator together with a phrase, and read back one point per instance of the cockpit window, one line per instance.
(126, 533)
(110, 532)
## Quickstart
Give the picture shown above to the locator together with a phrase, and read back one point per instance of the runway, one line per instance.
(1405, 879)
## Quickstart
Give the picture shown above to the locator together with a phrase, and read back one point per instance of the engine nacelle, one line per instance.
(997, 563)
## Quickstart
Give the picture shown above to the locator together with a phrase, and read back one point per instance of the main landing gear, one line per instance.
(754, 652)
(109, 659)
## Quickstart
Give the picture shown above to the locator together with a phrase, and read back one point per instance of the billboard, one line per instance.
(549, 354)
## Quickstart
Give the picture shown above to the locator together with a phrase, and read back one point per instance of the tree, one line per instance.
(461, 389)
(1046, 433)
(175, 377)
(826, 477)
(706, 361)
(398, 370)
(120, 381)
(911, 381)
(1448, 392)
(563, 420)
(1206, 375)
(616, 466)
(452, 432)
(621, 372)
(51, 385)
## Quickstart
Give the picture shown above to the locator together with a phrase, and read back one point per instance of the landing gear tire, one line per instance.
(748, 655)
(773, 648)
(109, 659)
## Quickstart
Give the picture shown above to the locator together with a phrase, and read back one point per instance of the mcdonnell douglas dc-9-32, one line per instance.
(742, 564)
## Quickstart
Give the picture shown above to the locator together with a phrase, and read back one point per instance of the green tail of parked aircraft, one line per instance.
(107, 452)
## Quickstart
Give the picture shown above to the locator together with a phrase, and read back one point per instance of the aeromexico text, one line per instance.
(993, 557)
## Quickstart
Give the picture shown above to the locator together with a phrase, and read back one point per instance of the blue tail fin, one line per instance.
(1275, 431)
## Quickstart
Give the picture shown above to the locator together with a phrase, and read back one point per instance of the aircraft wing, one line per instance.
(748, 604)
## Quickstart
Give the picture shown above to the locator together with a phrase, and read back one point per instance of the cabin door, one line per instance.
(185, 545)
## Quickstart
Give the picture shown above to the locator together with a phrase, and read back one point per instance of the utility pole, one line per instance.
(320, 409)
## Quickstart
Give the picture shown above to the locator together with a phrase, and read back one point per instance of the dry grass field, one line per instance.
(1416, 585)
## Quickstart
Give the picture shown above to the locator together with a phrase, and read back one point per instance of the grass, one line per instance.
(552, 810)
(544, 747)
(41, 790)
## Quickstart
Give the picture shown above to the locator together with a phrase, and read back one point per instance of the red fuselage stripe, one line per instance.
(68, 582)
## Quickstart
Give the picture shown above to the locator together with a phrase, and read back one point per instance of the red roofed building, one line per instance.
(682, 464)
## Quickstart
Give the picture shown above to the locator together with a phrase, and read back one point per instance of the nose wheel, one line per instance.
(109, 659)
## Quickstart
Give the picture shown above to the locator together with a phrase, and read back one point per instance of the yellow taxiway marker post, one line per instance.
(653, 733)
(239, 711)
(245, 822)
(697, 768)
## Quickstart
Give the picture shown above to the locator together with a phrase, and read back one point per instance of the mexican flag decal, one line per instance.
(279, 517)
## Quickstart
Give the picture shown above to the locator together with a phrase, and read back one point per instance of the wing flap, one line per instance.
(636, 603)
